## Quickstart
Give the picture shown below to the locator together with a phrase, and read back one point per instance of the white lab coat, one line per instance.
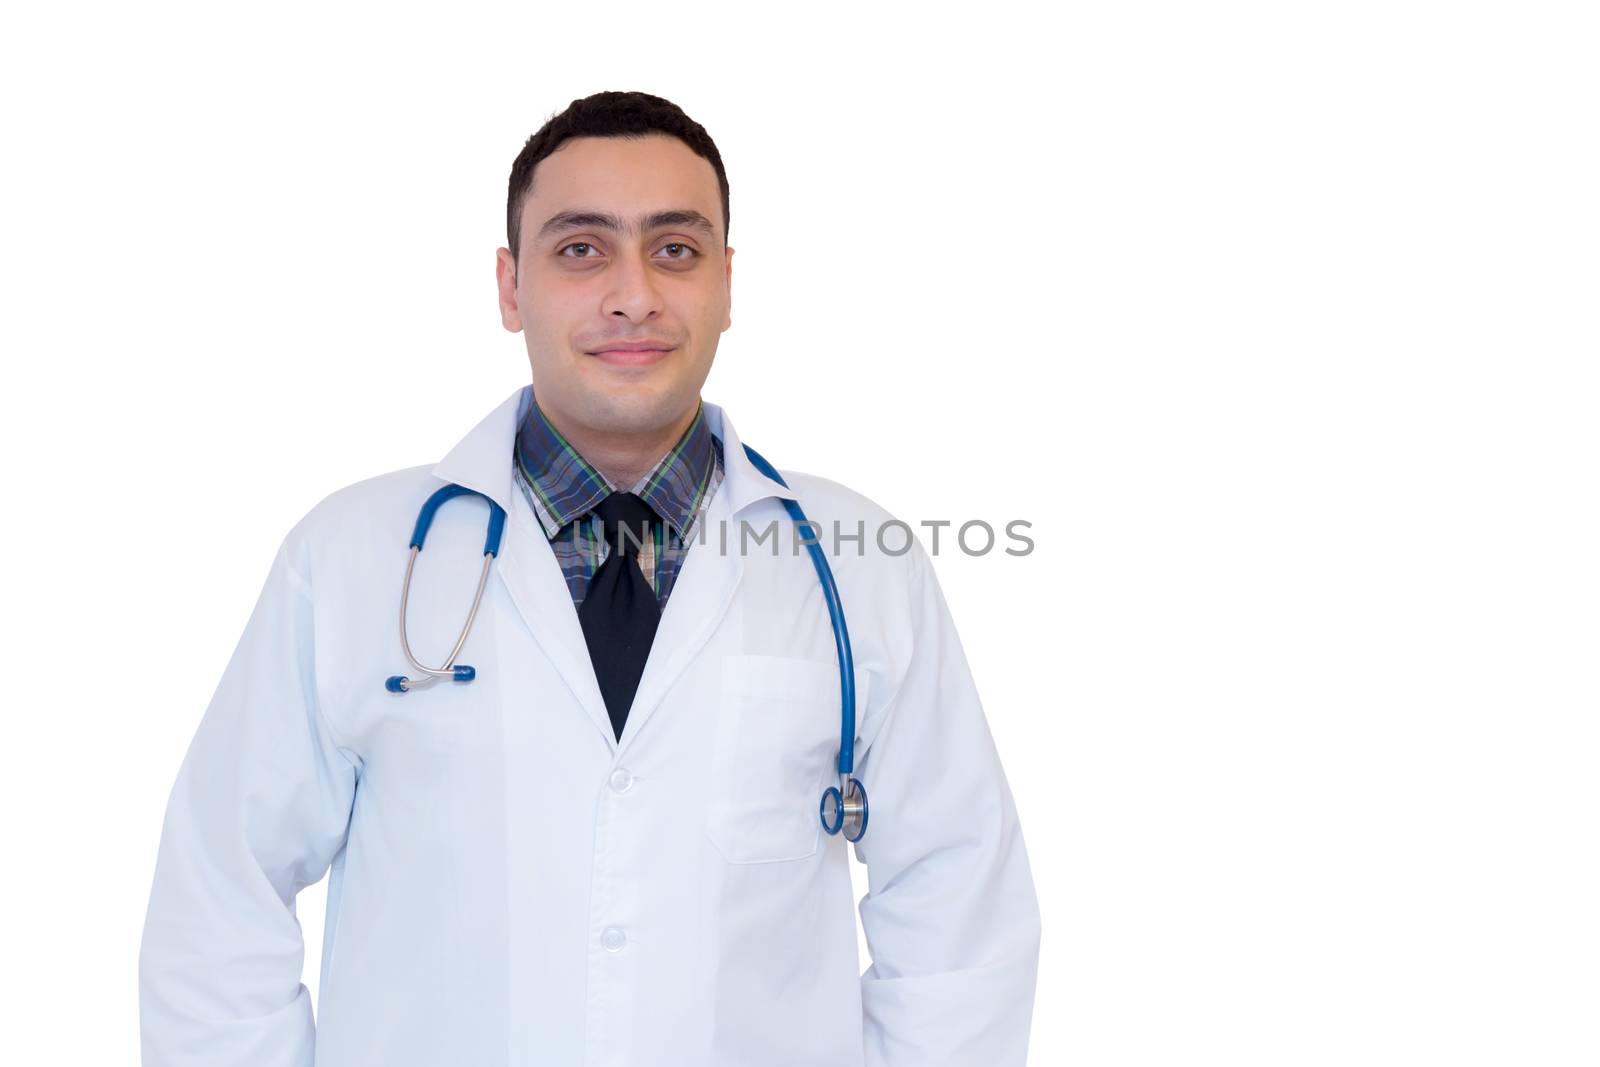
(513, 886)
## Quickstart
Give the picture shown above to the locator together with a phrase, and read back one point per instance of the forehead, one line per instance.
(628, 177)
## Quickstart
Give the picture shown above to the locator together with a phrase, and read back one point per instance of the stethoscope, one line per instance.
(843, 807)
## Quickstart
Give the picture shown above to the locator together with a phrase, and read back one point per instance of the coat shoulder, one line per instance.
(343, 526)
(835, 498)
(854, 529)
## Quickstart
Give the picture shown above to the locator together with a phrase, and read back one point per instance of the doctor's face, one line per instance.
(621, 245)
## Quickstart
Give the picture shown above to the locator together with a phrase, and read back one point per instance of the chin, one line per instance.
(637, 407)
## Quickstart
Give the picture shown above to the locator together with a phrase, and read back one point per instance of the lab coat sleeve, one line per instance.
(259, 810)
(951, 917)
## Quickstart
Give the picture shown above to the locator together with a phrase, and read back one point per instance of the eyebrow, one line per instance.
(604, 220)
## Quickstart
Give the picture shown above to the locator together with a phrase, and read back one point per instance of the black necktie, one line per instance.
(619, 612)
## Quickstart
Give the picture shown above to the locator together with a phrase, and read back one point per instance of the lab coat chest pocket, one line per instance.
(776, 750)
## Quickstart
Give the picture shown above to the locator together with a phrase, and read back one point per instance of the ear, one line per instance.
(505, 276)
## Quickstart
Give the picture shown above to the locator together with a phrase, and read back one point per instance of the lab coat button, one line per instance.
(613, 939)
(621, 781)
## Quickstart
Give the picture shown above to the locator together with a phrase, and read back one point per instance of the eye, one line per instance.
(679, 244)
(576, 244)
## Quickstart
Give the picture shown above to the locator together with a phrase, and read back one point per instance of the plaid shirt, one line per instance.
(563, 490)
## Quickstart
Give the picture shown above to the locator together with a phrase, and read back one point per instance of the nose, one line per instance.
(633, 293)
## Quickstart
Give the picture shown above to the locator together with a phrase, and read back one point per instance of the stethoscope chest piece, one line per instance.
(844, 807)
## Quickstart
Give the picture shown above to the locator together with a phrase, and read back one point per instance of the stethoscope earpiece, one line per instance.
(399, 683)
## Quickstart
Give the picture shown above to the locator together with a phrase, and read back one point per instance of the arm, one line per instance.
(259, 811)
(951, 918)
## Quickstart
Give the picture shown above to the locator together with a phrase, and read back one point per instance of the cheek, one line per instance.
(552, 314)
(705, 309)
(545, 296)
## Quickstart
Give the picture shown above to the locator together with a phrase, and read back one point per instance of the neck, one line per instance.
(623, 458)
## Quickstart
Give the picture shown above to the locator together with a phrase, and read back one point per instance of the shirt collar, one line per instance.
(566, 487)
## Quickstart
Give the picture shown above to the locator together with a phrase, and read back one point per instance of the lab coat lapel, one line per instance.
(706, 583)
(527, 565)
(700, 597)
(533, 578)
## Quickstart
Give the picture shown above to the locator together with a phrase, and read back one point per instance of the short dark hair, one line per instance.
(608, 114)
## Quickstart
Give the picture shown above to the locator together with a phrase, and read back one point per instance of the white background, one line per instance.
(1278, 321)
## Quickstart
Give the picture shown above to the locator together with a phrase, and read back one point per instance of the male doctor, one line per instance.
(606, 849)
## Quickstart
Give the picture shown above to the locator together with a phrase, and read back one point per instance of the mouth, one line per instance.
(628, 355)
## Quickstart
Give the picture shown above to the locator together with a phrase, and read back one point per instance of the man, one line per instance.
(606, 848)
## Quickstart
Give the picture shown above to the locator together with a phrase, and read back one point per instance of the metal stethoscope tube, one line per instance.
(449, 669)
(399, 683)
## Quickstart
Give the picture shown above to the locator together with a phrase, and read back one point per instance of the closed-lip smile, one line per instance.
(632, 353)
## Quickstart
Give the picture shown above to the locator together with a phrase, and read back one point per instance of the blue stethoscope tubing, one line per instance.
(399, 683)
(843, 807)
(845, 803)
